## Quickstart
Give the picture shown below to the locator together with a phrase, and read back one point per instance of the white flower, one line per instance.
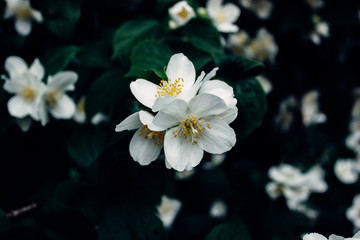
(181, 84)
(167, 210)
(223, 17)
(262, 8)
(218, 209)
(193, 128)
(286, 174)
(352, 141)
(181, 13)
(54, 99)
(315, 179)
(353, 212)
(285, 117)
(262, 47)
(99, 118)
(310, 109)
(346, 170)
(23, 13)
(237, 42)
(321, 29)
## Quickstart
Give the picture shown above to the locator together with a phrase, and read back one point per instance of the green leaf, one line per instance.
(95, 55)
(251, 106)
(149, 55)
(64, 16)
(130, 33)
(58, 58)
(105, 90)
(229, 231)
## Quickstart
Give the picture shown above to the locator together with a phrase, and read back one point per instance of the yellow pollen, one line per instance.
(157, 137)
(81, 106)
(221, 17)
(191, 129)
(183, 13)
(53, 97)
(29, 94)
(23, 12)
(172, 88)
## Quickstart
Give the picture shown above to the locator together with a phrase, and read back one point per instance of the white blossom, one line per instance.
(317, 236)
(263, 47)
(181, 13)
(352, 141)
(346, 170)
(237, 42)
(223, 16)
(321, 29)
(167, 210)
(285, 116)
(218, 209)
(262, 8)
(353, 212)
(310, 109)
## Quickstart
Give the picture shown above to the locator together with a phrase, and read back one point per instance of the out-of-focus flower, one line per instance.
(223, 16)
(352, 141)
(265, 83)
(262, 8)
(316, 236)
(181, 13)
(23, 13)
(237, 42)
(263, 47)
(285, 117)
(167, 210)
(321, 29)
(346, 170)
(315, 4)
(310, 109)
(353, 212)
(218, 209)
(99, 118)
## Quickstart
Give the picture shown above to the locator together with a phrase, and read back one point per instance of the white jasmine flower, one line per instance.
(146, 144)
(321, 29)
(265, 84)
(23, 13)
(167, 210)
(315, 179)
(285, 117)
(193, 128)
(237, 42)
(353, 212)
(54, 99)
(263, 47)
(181, 13)
(346, 170)
(223, 17)
(99, 118)
(352, 141)
(80, 114)
(310, 109)
(181, 84)
(262, 8)
(286, 174)
(215, 161)
(218, 209)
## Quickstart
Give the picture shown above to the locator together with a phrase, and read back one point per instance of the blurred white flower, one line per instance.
(167, 210)
(353, 212)
(346, 170)
(181, 13)
(223, 16)
(285, 116)
(98, 118)
(315, 4)
(321, 29)
(262, 8)
(316, 236)
(263, 47)
(310, 109)
(265, 84)
(218, 209)
(23, 13)
(237, 42)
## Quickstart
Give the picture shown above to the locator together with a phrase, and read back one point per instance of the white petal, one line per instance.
(204, 105)
(162, 102)
(171, 115)
(180, 66)
(37, 69)
(144, 91)
(219, 138)
(179, 153)
(15, 85)
(220, 89)
(64, 81)
(147, 119)
(9, 12)
(336, 237)
(19, 108)
(229, 115)
(15, 66)
(23, 27)
(142, 150)
(213, 6)
(24, 123)
(227, 28)
(37, 15)
(129, 123)
(65, 108)
(232, 12)
(314, 236)
(43, 112)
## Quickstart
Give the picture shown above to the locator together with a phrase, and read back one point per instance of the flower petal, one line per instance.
(24, 123)
(37, 15)
(15, 66)
(147, 119)
(23, 27)
(65, 108)
(229, 115)
(314, 236)
(231, 11)
(204, 105)
(19, 108)
(143, 150)
(213, 6)
(227, 28)
(129, 123)
(64, 81)
(162, 102)
(144, 91)
(219, 138)
(179, 153)
(171, 115)
(220, 89)
(37, 69)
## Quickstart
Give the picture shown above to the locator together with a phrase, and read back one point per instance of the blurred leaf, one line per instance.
(4, 221)
(58, 58)
(229, 231)
(64, 16)
(149, 55)
(251, 105)
(105, 90)
(66, 191)
(130, 33)
(95, 55)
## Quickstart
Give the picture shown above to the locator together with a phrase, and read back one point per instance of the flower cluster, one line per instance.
(192, 116)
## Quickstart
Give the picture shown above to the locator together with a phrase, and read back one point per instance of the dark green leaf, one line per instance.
(229, 231)
(130, 33)
(149, 55)
(95, 55)
(58, 58)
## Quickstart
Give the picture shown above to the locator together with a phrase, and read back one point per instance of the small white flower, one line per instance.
(167, 210)
(145, 146)
(262, 8)
(321, 29)
(181, 13)
(286, 174)
(23, 13)
(223, 17)
(263, 47)
(285, 117)
(353, 212)
(352, 141)
(54, 99)
(193, 128)
(218, 209)
(310, 109)
(315, 179)
(237, 42)
(346, 170)
(99, 118)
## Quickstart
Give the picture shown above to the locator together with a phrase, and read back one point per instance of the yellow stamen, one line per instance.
(53, 97)
(23, 13)
(191, 129)
(157, 137)
(172, 88)
(221, 17)
(29, 94)
(183, 13)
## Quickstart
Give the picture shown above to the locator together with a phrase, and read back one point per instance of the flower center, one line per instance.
(29, 94)
(191, 129)
(183, 13)
(157, 137)
(23, 12)
(53, 97)
(172, 88)
(221, 17)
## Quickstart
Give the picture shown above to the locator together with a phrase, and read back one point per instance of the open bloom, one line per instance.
(193, 128)
(167, 210)
(181, 84)
(23, 13)
(145, 145)
(262, 8)
(54, 99)
(346, 170)
(310, 109)
(181, 13)
(223, 17)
